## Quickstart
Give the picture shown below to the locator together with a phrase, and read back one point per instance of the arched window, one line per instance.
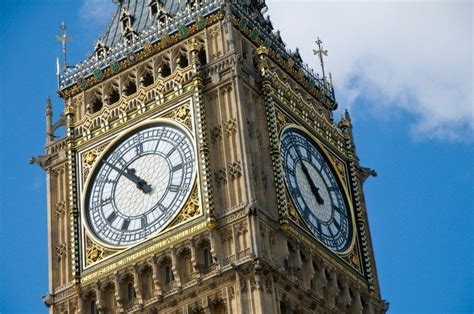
(169, 277)
(164, 70)
(96, 105)
(207, 257)
(131, 292)
(92, 307)
(182, 61)
(147, 79)
(202, 56)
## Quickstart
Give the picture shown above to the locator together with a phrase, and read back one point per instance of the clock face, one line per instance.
(140, 184)
(315, 191)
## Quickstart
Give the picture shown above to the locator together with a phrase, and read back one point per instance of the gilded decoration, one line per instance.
(89, 158)
(96, 252)
(288, 65)
(149, 49)
(340, 168)
(181, 114)
(191, 210)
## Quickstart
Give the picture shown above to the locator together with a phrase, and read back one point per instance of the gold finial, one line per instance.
(63, 38)
(321, 52)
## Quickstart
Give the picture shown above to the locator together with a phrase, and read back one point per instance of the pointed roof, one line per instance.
(138, 23)
(140, 16)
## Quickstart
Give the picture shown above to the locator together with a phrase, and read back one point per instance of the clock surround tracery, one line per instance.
(134, 149)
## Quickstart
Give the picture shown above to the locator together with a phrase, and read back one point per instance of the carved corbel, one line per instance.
(344, 299)
(332, 289)
(356, 306)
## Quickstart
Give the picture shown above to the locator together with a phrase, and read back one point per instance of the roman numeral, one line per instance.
(105, 201)
(125, 224)
(175, 188)
(139, 148)
(112, 217)
(171, 152)
(177, 168)
(143, 221)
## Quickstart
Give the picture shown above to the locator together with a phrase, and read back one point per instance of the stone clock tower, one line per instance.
(201, 171)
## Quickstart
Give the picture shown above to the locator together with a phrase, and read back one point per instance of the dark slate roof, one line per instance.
(141, 17)
(145, 28)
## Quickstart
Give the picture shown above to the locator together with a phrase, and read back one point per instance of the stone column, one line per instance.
(193, 259)
(136, 284)
(99, 299)
(156, 276)
(174, 268)
(118, 293)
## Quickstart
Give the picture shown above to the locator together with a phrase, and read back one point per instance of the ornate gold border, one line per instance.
(105, 151)
(342, 182)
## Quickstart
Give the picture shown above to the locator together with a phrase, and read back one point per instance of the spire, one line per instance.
(49, 120)
(345, 124)
(321, 52)
(63, 38)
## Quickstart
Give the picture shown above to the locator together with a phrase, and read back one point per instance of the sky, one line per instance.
(404, 70)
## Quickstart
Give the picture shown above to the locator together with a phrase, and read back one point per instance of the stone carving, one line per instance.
(220, 176)
(230, 127)
(216, 134)
(190, 210)
(235, 170)
(182, 114)
(95, 252)
(89, 158)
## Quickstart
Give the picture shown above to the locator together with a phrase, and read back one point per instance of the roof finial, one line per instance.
(321, 52)
(49, 120)
(63, 38)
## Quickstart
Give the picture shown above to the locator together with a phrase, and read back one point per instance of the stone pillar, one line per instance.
(156, 276)
(118, 293)
(356, 306)
(193, 259)
(80, 303)
(136, 284)
(174, 268)
(99, 299)
(332, 290)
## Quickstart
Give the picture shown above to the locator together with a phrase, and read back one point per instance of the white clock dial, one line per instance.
(314, 190)
(140, 184)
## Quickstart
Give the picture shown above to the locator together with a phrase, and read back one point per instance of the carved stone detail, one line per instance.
(235, 170)
(230, 127)
(88, 160)
(182, 114)
(61, 250)
(190, 210)
(216, 134)
(96, 252)
(220, 175)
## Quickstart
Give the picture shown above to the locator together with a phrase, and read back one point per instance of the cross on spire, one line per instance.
(320, 52)
(63, 38)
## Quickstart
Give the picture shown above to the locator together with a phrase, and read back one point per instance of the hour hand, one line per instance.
(129, 173)
(313, 187)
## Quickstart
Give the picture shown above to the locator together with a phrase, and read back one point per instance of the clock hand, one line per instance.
(129, 173)
(314, 189)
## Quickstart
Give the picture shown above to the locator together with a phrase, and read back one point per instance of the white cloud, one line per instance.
(97, 11)
(401, 56)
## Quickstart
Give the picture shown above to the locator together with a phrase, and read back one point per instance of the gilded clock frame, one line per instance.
(119, 137)
(342, 183)
(180, 114)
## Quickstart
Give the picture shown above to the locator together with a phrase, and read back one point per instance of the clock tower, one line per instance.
(201, 171)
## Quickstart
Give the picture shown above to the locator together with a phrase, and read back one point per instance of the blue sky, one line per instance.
(411, 105)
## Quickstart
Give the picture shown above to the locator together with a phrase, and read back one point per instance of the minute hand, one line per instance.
(314, 189)
(130, 174)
